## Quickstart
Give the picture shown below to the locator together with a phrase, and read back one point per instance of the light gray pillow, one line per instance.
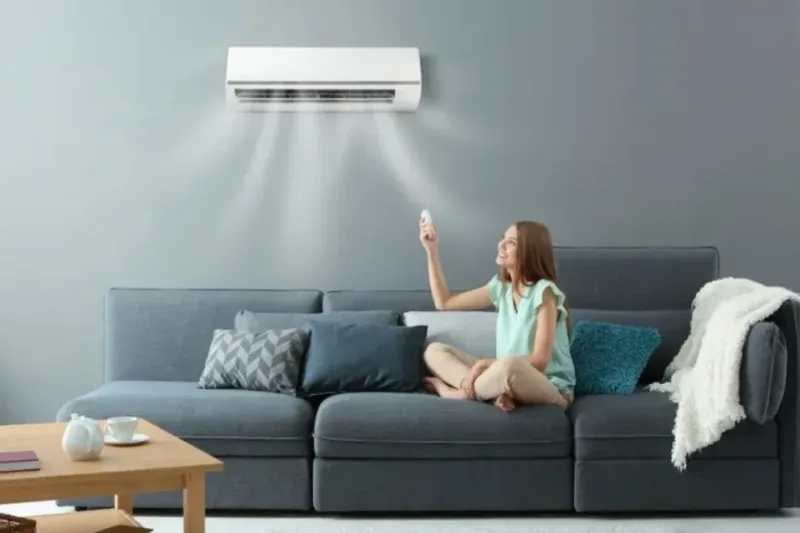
(269, 361)
(473, 332)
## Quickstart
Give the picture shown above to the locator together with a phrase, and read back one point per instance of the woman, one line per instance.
(533, 363)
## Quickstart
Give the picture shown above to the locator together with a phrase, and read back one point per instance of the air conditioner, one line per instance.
(323, 79)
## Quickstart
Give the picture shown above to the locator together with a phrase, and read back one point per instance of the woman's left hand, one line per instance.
(468, 383)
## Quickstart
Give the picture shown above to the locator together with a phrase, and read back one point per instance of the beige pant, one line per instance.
(513, 375)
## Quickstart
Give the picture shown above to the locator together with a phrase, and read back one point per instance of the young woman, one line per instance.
(533, 363)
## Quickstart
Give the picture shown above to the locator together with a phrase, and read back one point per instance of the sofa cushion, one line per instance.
(639, 426)
(473, 332)
(223, 422)
(363, 358)
(424, 426)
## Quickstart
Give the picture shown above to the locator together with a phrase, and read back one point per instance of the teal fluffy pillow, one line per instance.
(610, 358)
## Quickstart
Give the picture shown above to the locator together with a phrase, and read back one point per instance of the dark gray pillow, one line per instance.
(255, 322)
(762, 376)
(363, 358)
(269, 361)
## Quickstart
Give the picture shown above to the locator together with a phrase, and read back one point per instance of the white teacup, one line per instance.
(122, 428)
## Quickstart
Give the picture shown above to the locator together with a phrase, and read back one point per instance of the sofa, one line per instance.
(415, 452)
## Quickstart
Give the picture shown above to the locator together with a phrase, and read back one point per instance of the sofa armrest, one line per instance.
(762, 375)
(787, 318)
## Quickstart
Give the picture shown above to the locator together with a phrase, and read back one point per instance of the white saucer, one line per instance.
(138, 438)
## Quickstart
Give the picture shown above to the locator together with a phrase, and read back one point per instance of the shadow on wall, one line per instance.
(430, 88)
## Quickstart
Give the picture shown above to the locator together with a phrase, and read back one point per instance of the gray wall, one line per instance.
(616, 122)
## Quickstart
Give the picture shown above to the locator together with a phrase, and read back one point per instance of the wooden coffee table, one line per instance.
(166, 463)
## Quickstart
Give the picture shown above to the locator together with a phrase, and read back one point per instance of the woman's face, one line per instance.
(507, 249)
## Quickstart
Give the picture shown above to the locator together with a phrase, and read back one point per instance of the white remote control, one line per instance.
(426, 216)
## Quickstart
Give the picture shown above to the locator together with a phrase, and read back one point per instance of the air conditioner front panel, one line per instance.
(327, 66)
(323, 79)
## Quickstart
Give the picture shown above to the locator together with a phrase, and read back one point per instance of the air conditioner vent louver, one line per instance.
(315, 95)
(270, 79)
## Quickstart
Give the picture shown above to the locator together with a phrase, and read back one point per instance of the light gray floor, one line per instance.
(779, 523)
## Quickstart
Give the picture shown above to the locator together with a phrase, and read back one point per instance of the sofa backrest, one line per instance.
(639, 286)
(650, 286)
(164, 334)
(377, 300)
(635, 278)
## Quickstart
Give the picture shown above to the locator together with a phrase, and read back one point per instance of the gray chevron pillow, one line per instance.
(268, 361)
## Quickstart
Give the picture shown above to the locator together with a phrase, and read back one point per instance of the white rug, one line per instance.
(785, 522)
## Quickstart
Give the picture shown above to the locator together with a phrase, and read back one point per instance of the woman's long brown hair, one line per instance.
(536, 259)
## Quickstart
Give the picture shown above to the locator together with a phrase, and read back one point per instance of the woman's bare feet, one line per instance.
(443, 389)
(505, 402)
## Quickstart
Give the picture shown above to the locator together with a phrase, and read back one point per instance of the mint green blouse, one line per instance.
(516, 328)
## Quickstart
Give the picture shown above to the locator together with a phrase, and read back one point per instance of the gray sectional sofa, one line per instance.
(414, 452)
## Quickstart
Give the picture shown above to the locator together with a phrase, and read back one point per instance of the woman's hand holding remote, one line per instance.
(427, 233)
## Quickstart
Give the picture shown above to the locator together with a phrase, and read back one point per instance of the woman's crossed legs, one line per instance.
(508, 381)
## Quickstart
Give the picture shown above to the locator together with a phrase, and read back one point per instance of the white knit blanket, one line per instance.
(704, 376)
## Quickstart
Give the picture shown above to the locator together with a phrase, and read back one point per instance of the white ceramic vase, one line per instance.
(83, 439)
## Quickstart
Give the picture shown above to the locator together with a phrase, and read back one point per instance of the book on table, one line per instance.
(19, 461)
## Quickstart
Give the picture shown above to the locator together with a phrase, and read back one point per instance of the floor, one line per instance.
(776, 523)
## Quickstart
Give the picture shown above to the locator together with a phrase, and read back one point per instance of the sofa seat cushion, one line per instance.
(222, 422)
(639, 426)
(423, 426)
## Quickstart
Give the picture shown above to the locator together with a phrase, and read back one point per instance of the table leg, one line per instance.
(124, 502)
(194, 503)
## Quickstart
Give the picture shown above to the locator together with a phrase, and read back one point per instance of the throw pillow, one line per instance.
(610, 358)
(363, 358)
(256, 322)
(762, 374)
(471, 331)
(268, 361)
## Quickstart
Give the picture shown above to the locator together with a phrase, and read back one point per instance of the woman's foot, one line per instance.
(443, 389)
(505, 402)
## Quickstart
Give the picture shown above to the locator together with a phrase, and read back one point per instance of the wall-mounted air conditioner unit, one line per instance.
(323, 79)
